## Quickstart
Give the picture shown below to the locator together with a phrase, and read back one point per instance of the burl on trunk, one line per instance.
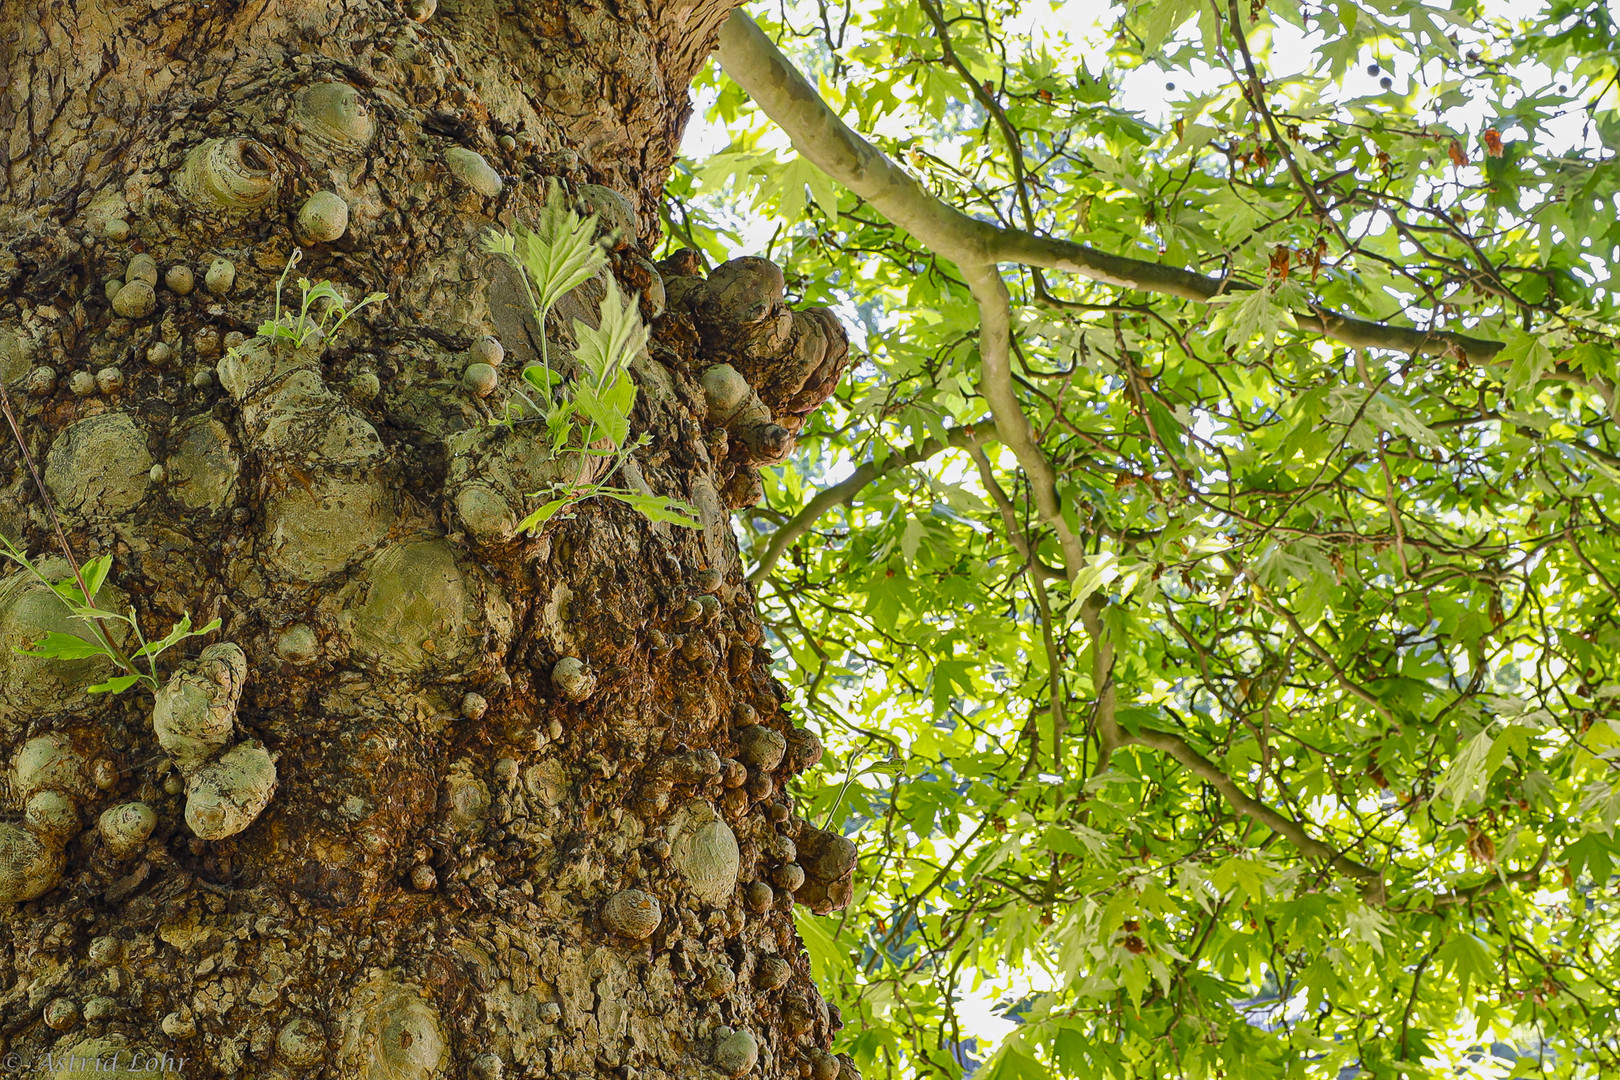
(439, 797)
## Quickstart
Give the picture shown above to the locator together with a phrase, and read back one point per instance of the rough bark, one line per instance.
(437, 799)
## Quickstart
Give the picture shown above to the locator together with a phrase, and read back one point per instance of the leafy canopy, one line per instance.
(1301, 756)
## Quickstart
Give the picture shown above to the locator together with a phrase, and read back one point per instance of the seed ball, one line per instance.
(784, 850)
(632, 913)
(423, 878)
(159, 353)
(363, 387)
(202, 380)
(323, 218)
(758, 897)
(135, 300)
(115, 229)
(776, 812)
(473, 706)
(790, 876)
(487, 350)
(708, 581)
(82, 383)
(41, 382)
(710, 606)
(112, 287)
(691, 611)
(760, 747)
(109, 380)
(174, 783)
(179, 279)
(234, 339)
(61, 1014)
(142, 267)
(772, 972)
(507, 143)
(220, 277)
(481, 379)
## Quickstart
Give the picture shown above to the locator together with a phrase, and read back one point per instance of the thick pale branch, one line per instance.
(755, 63)
(843, 492)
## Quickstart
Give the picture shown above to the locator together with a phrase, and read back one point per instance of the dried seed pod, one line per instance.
(758, 896)
(218, 280)
(471, 169)
(125, 828)
(480, 379)
(225, 796)
(760, 747)
(52, 816)
(632, 913)
(135, 300)
(571, 679)
(736, 1052)
(487, 350)
(141, 267)
(29, 865)
(179, 279)
(324, 217)
(232, 176)
(772, 972)
(334, 119)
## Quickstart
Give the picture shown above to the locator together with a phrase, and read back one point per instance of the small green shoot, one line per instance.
(78, 593)
(322, 310)
(586, 416)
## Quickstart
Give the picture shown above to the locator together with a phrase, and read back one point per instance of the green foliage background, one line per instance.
(1375, 592)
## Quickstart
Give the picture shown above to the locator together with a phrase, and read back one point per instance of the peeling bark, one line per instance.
(438, 799)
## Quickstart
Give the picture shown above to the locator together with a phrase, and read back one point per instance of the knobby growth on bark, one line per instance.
(438, 798)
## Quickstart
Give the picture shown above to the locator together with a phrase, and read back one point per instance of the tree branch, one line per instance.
(1243, 803)
(754, 63)
(961, 439)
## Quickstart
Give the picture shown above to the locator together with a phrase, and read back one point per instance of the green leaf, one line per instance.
(59, 646)
(656, 507)
(115, 685)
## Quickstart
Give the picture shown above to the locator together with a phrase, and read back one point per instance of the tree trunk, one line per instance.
(438, 798)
